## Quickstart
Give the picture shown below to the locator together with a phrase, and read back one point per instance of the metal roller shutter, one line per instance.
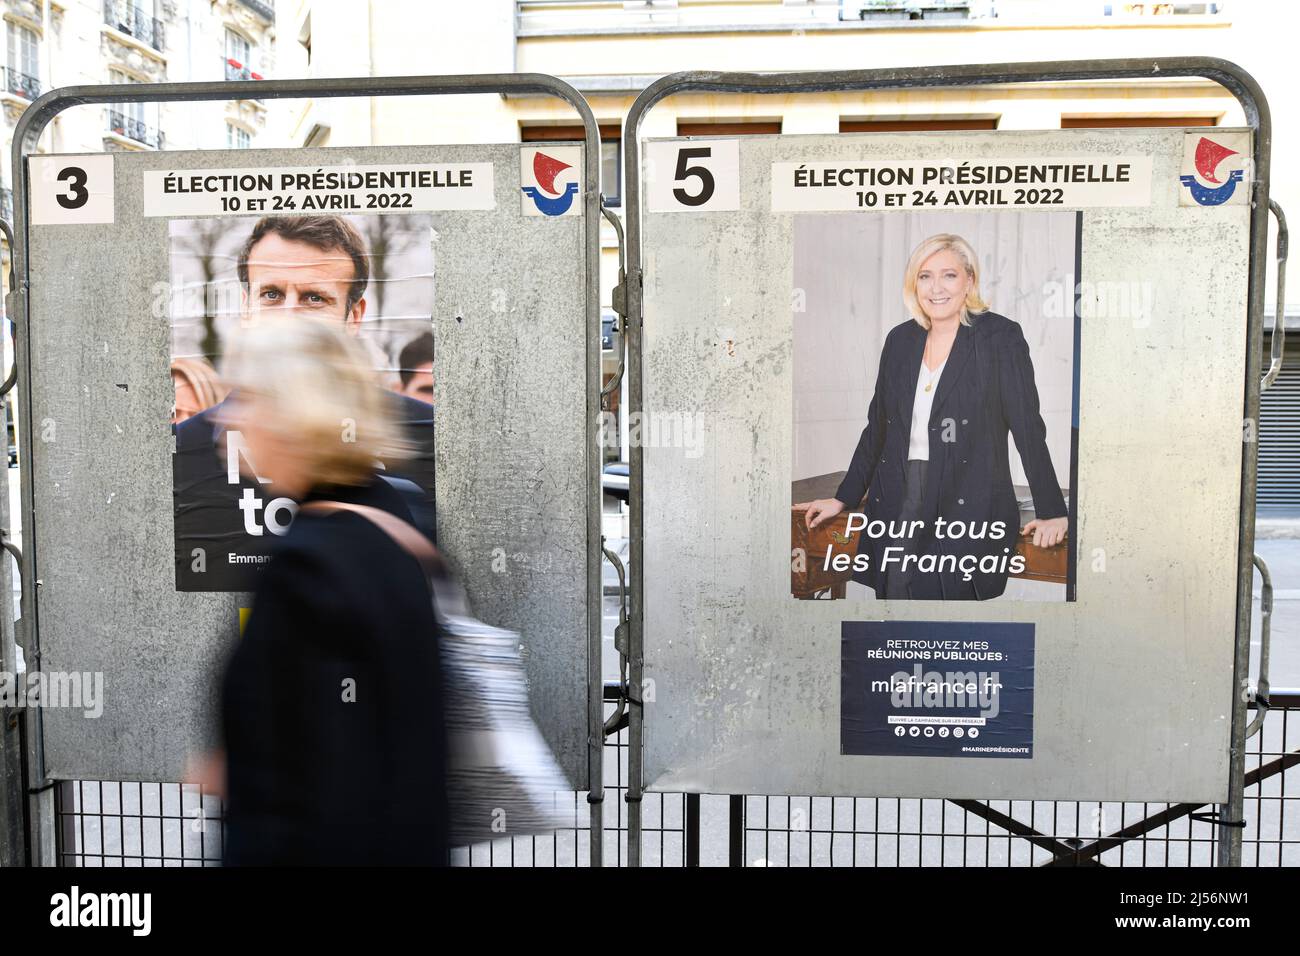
(1279, 436)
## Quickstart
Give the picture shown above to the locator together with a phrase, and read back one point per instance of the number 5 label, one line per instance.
(71, 190)
(693, 175)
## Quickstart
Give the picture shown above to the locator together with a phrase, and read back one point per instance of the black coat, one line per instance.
(206, 508)
(315, 778)
(986, 390)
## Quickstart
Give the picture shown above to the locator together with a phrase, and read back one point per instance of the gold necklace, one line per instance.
(925, 358)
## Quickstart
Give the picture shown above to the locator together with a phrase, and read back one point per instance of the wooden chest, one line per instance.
(808, 577)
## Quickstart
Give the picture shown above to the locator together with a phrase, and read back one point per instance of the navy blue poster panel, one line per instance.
(937, 689)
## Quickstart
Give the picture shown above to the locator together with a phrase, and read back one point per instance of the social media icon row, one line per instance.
(917, 731)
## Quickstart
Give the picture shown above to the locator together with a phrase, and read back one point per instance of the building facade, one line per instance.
(57, 43)
(611, 49)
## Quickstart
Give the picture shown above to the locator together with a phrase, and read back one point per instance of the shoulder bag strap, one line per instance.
(404, 534)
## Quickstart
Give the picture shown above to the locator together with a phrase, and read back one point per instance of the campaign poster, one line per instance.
(937, 689)
(935, 361)
(374, 274)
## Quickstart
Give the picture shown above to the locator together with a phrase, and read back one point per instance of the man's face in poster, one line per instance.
(421, 383)
(288, 279)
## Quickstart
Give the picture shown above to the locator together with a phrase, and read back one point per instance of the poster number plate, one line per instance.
(693, 176)
(71, 190)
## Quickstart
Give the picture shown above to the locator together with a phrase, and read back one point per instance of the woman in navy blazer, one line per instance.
(953, 381)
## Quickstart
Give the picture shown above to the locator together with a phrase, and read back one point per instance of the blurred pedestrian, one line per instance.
(332, 703)
(197, 388)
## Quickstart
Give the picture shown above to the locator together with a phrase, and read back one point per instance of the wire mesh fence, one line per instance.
(105, 824)
(112, 823)
(833, 831)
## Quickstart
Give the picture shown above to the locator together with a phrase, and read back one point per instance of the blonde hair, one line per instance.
(208, 389)
(928, 247)
(313, 383)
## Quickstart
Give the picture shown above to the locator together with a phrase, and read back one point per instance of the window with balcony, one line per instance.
(237, 137)
(24, 69)
(135, 18)
(238, 47)
(134, 121)
(239, 57)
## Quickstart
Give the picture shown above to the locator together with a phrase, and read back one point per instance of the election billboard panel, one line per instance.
(151, 521)
(230, 273)
(1042, 537)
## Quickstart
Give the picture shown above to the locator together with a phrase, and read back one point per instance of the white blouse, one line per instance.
(918, 446)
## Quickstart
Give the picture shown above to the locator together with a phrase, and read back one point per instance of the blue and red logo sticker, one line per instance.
(1214, 168)
(550, 180)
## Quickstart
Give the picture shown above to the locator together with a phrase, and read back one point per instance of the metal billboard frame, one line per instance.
(26, 135)
(1227, 74)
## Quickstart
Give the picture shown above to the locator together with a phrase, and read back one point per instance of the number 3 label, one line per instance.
(693, 176)
(71, 190)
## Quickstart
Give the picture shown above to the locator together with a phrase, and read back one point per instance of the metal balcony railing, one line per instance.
(263, 8)
(132, 128)
(127, 18)
(237, 71)
(28, 87)
(911, 10)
